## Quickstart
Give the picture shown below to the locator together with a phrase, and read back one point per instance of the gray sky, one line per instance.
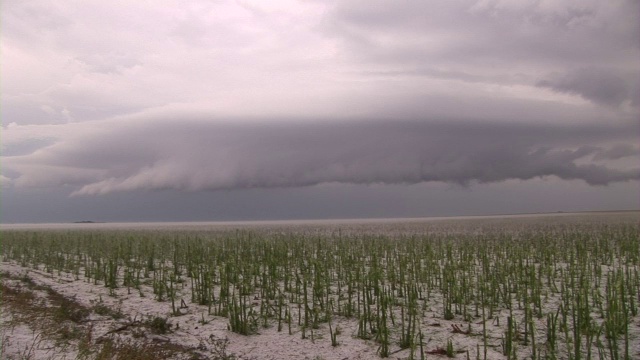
(222, 110)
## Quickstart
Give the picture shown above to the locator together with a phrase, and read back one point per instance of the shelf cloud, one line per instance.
(196, 155)
(241, 97)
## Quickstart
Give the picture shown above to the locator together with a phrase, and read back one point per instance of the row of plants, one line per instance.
(551, 291)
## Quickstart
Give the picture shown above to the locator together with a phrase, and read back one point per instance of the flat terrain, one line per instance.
(543, 286)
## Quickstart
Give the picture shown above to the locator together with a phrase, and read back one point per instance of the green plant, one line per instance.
(158, 325)
(450, 352)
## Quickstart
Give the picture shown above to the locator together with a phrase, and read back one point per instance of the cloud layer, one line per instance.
(92, 60)
(187, 96)
(204, 155)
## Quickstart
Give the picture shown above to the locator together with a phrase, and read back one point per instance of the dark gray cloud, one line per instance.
(603, 86)
(487, 32)
(591, 50)
(243, 98)
(199, 155)
(616, 152)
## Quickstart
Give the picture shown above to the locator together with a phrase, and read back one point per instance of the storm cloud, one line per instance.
(203, 155)
(240, 97)
(598, 85)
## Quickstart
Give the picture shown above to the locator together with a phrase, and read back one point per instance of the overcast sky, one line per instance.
(223, 110)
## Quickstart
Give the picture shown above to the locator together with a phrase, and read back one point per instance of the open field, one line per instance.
(563, 286)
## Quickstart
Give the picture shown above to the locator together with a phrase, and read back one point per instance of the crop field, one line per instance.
(561, 286)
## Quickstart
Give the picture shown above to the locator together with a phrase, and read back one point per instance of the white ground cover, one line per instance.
(195, 328)
(189, 329)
